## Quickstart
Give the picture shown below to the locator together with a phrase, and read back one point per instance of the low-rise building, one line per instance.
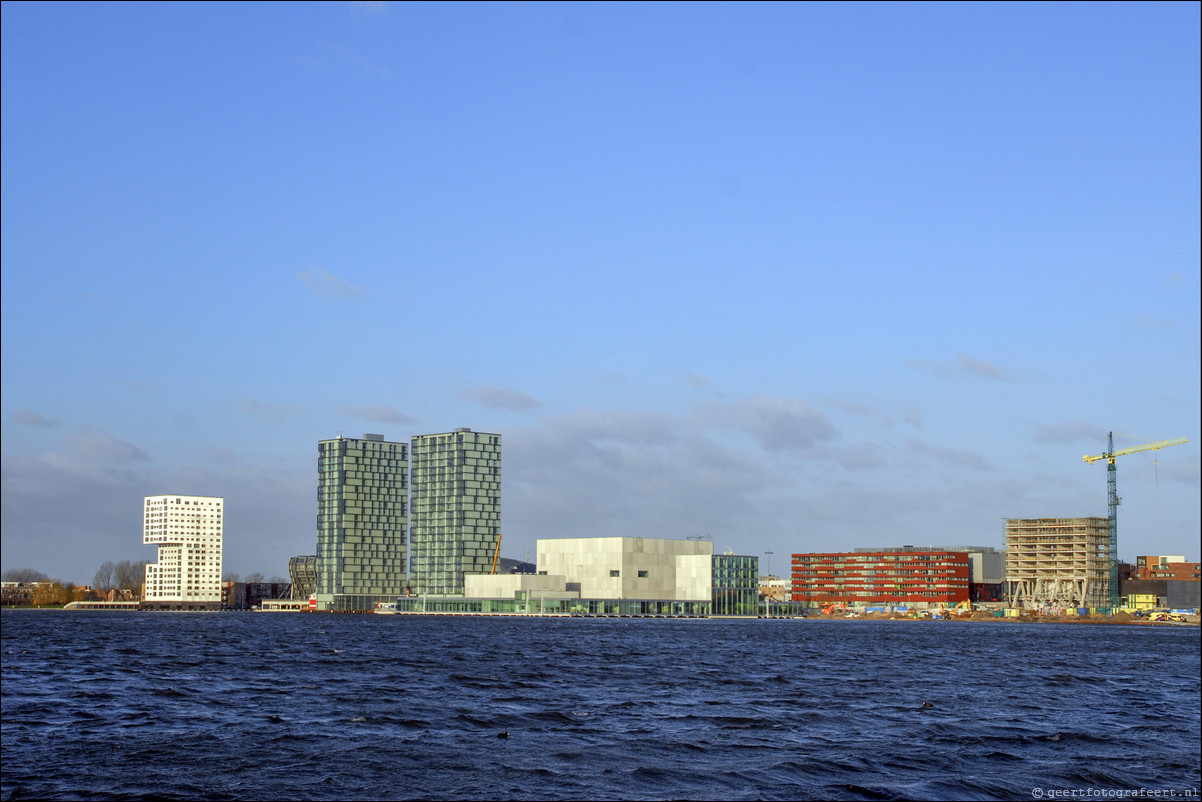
(249, 595)
(1174, 594)
(775, 588)
(919, 577)
(613, 576)
(16, 594)
(1141, 601)
(287, 605)
(1166, 566)
(987, 568)
(651, 569)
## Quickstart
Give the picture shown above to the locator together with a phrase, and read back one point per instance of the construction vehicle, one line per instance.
(1114, 500)
(833, 607)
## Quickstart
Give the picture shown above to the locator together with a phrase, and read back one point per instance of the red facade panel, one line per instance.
(881, 577)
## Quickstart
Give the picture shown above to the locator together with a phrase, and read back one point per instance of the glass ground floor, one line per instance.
(523, 604)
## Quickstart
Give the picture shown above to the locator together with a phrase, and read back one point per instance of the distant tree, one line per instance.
(129, 576)
(52, 592)
(253, 577)
(276, 579)
(106, 576)
(141, 572)
(230, 576)
(24, 575)
(42, 594)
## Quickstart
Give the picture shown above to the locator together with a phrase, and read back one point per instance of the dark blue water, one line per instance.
(130, 705)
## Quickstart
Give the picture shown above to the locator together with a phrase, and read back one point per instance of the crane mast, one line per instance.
(1113, 500)
(1112, 526)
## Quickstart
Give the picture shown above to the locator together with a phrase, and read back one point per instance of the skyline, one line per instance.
(800, 277)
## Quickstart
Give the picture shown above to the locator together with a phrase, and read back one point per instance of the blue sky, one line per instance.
(800, 277)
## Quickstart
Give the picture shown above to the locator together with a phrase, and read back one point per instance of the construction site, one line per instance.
(1058, 562)
(1070, 562)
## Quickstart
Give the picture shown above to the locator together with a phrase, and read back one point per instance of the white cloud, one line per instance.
(381, 413)
(1149, 324)
(1069, 432)
(625, 473)
(777, 424)
(221, 455)
(620, 426)
(326, 283)
(1185, 471)
(860, 456)
(505, 398)
(66, 513)
(963, 365)
(979, 367)
(28, 418)
(369, 6)
(363, 67)
(94, 445)
(862, 410)
(962, 458)
(267, 410)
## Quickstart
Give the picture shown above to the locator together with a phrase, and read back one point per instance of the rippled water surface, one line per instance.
(126, 705)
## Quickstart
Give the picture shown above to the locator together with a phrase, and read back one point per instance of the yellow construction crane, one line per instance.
(1110, 455)
(496, 554)
(1113, 498)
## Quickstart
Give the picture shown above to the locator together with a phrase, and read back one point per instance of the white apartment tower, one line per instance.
(187, 530)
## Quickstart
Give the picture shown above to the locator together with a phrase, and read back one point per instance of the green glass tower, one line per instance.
(362, 518)
(456, 497)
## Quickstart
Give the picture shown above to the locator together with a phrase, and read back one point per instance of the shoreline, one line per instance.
(1119, 619)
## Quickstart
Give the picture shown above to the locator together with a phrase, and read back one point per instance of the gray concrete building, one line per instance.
(633, 576)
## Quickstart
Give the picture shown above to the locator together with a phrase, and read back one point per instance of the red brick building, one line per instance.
(895, 577)
(1173, 568)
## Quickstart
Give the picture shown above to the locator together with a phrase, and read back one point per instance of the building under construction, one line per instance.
(1058, 562)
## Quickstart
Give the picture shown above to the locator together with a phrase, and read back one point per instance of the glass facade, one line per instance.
(733, 581)
(523, 604)
(456, 513)
(362, 519)
(303, 573)
(736, 581)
